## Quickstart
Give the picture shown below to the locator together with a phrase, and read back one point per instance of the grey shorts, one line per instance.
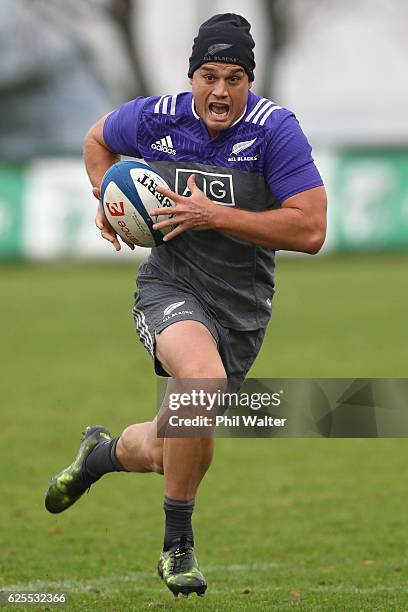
(158, 304)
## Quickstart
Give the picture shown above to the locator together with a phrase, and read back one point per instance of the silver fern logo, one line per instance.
(172, 307)
(217, 48)
(241, 146)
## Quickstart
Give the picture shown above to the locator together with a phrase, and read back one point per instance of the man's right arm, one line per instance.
(98, 158)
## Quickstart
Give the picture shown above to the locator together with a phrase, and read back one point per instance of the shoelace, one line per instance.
(181, 559)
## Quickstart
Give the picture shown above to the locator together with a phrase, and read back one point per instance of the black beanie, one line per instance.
(224, 38)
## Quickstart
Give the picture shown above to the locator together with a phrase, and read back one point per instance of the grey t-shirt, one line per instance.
(259, 162)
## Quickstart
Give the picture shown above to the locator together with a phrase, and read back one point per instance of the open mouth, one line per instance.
(219, 110)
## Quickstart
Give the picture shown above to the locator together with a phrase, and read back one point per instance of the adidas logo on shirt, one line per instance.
(165, 145)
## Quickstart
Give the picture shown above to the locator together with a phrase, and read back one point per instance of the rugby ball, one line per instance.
(128, 194)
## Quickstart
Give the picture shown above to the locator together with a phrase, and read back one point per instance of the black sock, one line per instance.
(102, 459)
(178, 521)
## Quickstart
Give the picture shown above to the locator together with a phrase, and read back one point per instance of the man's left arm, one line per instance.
(298, 225)
(291, 175)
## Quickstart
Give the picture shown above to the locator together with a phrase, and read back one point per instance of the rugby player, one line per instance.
(242, 176)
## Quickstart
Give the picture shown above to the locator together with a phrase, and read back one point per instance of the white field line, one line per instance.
(135, 577)
(109, 584)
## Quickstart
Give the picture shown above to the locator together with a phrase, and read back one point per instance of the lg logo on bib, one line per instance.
(217, 187)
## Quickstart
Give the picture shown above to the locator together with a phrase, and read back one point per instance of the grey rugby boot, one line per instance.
(179, 570)
(68, 486)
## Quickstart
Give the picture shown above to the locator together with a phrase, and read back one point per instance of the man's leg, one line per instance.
(187, 351)
(139, 449)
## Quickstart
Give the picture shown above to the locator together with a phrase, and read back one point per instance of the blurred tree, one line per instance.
(100, 29)
(124, 13)
(278, 19)
(50, 92)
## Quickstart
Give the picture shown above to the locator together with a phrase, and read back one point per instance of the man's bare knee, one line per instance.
(203, 371)
(187, 349)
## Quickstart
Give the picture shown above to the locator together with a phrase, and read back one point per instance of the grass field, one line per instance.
(316, 524)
